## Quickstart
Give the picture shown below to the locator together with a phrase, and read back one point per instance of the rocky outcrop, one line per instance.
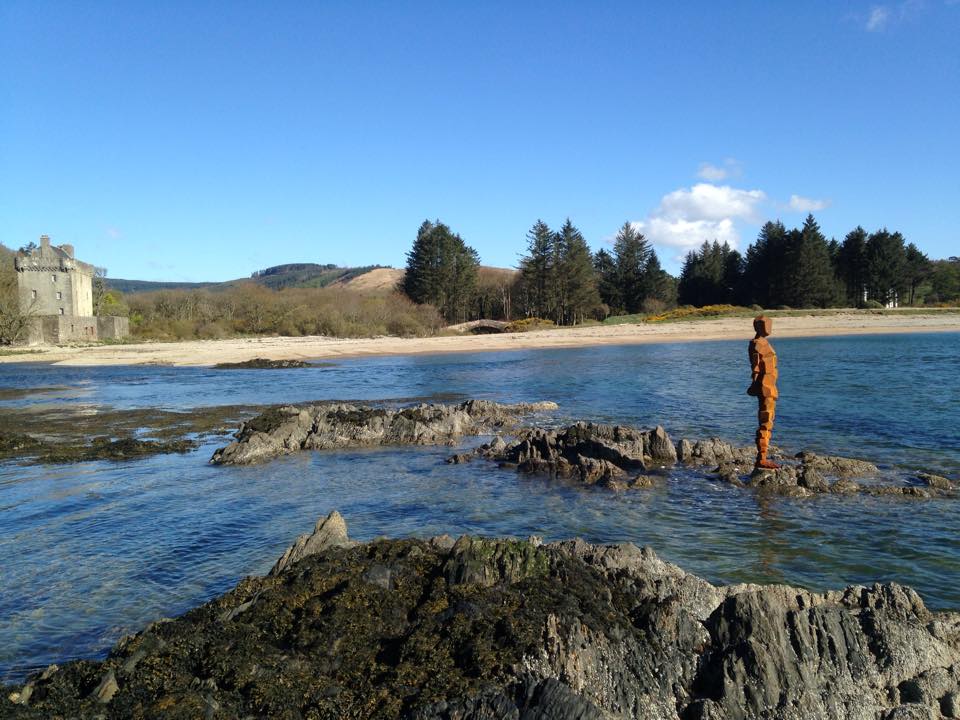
(713, 452)
(839, 466)
(618, 457)
(482, 628)
(330, 532)
(614, 455)
(337, 425)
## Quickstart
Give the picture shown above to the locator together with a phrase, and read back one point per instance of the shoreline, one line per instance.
(201, 353)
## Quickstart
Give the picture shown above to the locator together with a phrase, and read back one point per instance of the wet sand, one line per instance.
(210, 352)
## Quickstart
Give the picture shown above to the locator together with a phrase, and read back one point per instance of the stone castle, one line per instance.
(56, 290)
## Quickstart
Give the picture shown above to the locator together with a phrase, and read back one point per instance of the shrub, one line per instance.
(528, 324)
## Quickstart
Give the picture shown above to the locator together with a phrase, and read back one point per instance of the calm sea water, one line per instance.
(95, 550)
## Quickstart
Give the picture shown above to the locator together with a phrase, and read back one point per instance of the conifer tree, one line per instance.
(576, 277)
(918, 270)
(661, 285)
(605, 268)
(536, 271)
(710, 275)
(441, 271)
(810, 281)
(886, 265)
(764, 266)
(852, 266)
(631, 253)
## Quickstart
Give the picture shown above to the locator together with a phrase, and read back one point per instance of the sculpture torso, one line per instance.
(763, 363)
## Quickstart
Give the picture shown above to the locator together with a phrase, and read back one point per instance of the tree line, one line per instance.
(559, 278)
(800, 268)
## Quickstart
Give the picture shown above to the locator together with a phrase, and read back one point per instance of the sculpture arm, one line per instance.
(756, 364)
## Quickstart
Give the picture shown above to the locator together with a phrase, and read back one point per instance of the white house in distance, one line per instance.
(56, 290)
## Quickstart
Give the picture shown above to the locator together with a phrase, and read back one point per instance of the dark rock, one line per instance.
(811, 479)
(845, 486)
(290, 429)
(714, 452)
(659, 447)
(937, 482)
(498, 629)
(898, 490)
(837, 466)
(13, 443)
(784, 481)
(262, 364)
(608, 455)
(105, 448)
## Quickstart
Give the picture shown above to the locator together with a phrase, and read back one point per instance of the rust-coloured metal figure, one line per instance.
(763, 368)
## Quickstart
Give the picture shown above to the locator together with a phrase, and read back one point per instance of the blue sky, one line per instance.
(203, 141)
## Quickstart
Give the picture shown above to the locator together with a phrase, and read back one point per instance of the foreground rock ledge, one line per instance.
(490, 629)
(327, 426)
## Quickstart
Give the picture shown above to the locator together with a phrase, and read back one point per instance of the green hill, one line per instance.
(293, 275)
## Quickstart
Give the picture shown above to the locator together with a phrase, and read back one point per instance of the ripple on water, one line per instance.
(100, 549)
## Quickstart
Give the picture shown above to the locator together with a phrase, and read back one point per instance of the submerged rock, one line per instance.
(290, 429)
(486, 628)
(105, 448)
(262, 364)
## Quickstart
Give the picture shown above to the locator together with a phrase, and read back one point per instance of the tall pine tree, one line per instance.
(886, 260)
(536, 271)
(441, 271)
(810, 281)
(605, 268)
(631, 253)
(579, 292)
(852, 266)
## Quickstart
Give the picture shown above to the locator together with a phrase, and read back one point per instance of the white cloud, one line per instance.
(711, 202)
(114, 233)
(878, 18)
(711, 172)
(716, 173)
(688, 216)
(882, 16)
(798, 203)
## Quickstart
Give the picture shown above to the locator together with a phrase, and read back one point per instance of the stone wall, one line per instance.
(113, 327)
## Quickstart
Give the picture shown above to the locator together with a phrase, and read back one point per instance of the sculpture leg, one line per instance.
(765, 415)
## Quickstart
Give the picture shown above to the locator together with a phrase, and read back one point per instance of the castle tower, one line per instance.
(53, 282)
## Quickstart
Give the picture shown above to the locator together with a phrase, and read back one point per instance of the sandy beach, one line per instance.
(209, 352)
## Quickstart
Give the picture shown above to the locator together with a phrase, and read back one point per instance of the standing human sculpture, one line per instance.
(763, 368)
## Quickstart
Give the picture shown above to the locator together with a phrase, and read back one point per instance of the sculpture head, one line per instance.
(763, 325)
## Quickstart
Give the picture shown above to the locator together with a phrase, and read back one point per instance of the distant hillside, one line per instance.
(369, 278)
(139, 286)
(294, 275)
(307, 275)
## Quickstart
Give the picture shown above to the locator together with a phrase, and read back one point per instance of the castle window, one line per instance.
(53, 278)
(59, 295)
(61, 311)
(33, 294)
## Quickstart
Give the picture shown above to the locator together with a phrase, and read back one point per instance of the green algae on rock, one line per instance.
(493, 628)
